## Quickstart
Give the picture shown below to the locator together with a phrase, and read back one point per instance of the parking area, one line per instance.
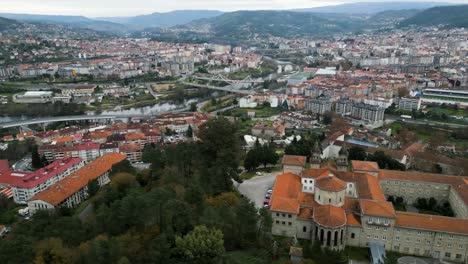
(256, 188)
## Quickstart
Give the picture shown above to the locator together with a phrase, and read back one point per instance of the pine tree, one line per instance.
(189, 132)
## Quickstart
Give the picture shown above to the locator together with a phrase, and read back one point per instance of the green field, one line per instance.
(260, 111)
(449, 111)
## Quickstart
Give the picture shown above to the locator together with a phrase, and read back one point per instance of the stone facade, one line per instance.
(340, 208)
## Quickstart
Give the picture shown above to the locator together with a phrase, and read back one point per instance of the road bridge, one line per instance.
(225, 89)
(36, 121)
(221, 78)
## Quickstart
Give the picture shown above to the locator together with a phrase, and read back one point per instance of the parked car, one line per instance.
(266, 203)
(268, 195)
(259, 173)
(270, 190)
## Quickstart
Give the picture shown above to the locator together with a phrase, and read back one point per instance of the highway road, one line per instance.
(229, 90)
(79, 118)
(23, 164)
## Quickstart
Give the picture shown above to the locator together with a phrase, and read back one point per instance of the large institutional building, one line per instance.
(337, 208)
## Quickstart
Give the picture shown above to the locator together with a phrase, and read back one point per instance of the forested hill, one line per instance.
(6, 23)
(182, 210)
(451, 16)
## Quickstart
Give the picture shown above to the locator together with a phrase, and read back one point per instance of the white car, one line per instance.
(259, 173)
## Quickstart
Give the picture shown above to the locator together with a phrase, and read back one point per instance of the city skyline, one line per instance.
(140, 7)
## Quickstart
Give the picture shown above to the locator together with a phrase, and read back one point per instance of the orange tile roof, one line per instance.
(63, 189)
(353, 219)
(364, 165)
(294, 160)
(330, 183)
(285, 193)
(377, 208)
(305, 214)
(328, 166)
(431, 222)
(368, 187)
(132, 147)
(329, 216)
(134, 136)
(64, 139)
(100, 134)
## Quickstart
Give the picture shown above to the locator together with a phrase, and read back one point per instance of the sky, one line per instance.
(97, 8)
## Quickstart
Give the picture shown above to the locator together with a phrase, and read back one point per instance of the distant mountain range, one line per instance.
(198, 25)
(451, 16)
(6, 23)
(74, 21)
(246, 24)
(372, 7)
(168, 19)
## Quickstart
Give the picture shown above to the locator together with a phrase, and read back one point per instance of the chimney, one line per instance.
(330, 176)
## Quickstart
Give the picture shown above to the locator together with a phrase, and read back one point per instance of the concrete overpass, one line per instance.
(221, 78)
(35, 121)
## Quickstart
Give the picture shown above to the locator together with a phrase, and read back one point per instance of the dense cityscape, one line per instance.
(335, 134)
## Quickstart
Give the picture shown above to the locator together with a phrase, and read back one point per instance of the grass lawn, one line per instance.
(448, 111)
(246, 125)
(429, 212)
(356, 253)
(260, 111)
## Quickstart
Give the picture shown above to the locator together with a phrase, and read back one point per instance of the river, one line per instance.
(147, 110)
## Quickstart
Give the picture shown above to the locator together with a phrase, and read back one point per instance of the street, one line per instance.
(23, 164)
(255, 188)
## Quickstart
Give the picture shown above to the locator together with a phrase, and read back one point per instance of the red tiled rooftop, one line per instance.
(294, 160)
(329, 216)
(365, 165)
(61, 190)
(431, 222)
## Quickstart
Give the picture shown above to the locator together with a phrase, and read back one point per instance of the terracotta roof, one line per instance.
(377, 208)
(368, 187)
(63, 189)
(4, 165)
(330, 183)
(285, 193)
(328, 166)
(329, 216)
(132, 147)
(365, 165)
(134, 136)
(294, 160)
(305, 214)
(42, 175)
(432, 222)
(353, 219)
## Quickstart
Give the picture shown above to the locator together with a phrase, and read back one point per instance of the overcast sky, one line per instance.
(95, 8)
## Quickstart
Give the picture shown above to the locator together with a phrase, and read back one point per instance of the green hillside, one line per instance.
(451, 16)
(276, 23)
(6, 23)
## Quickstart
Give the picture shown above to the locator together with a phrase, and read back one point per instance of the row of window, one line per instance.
(283, 222)
(378, 228)
(428, 242)
(283, 215)
(419, 184)
(376, 220)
